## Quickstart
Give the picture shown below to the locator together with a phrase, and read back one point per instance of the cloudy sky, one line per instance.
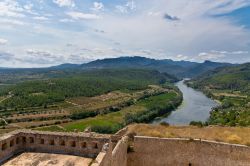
(39, 33)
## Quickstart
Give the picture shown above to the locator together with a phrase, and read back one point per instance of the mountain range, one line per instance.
(179, 69)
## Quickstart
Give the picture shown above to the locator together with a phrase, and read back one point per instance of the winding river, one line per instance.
(195, 107)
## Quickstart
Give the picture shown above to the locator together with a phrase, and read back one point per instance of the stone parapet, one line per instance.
(78, 144)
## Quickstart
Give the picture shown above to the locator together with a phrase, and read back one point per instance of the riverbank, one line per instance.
(196, 106)
(143, 110)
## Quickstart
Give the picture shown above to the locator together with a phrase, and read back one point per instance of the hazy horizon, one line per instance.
(46, 33)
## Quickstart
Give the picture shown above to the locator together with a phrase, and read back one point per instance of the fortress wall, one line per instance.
(147, 151)
(9, 146)
(119, 154)
(83, 144)
(104, 157)
(150, 151)
(116, 155)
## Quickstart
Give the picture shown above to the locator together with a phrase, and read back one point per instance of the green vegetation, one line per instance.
(231, 87)
(103, 99)
(89, 83)
(145, 110)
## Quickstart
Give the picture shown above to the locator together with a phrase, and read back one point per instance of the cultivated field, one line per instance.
(78, 113)
(142, 111)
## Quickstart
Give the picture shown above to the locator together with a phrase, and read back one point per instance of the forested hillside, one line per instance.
(87, 83)
(180, 69)
(230, 86)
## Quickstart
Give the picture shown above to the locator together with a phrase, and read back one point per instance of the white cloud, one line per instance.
(209, 56)
(65, 3)
(5, 21)
(221, 55)
(11, 9)
(121, 9)
(128, 7)
(230, 52)
(240, 52)
(138, 29)
(65, 20)
(98, 6)
(86, 16)
(3, 41)
(152, 13)
(39, 53)
(42, 57)
(28, 6)
(181, 57)
(131, 5)
(41, 18)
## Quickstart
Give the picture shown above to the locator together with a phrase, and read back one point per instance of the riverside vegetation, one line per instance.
(103, 99)
(231, 87)
(72, 97)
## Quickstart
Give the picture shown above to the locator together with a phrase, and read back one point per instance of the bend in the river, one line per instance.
(195, 107)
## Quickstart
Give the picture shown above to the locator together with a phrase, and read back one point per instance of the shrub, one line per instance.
(164, 124)
(106, 129)
(196, 123)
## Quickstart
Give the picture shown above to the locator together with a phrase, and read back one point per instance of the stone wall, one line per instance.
(112, 151)
(9, 146)
(119, 154)
(150, 151)
(78, 144)
(104, 157)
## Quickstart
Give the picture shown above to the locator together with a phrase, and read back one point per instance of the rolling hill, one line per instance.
(231, 87)
(87, 83)
(177, 68)
(180, 69)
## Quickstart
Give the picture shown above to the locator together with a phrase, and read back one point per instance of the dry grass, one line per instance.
(236, 135)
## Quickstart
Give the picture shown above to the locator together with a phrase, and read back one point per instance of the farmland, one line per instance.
(142, 111)
(62, 101)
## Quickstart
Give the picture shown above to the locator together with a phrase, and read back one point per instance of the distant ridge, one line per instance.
(65, 66)
(179, 69)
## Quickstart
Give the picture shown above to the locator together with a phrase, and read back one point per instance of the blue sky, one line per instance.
(40, 33)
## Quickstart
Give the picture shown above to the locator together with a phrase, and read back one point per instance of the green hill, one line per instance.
(177, 68)
(87, 83)
(230, 86)
(180, 69)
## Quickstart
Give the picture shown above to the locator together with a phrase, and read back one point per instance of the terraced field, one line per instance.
(62, 115)
(61, 99)
(143, 110)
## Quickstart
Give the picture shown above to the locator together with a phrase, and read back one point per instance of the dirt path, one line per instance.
(5, 98)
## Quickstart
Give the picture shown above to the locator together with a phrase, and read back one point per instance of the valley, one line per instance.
(105, 100)
(60, 103)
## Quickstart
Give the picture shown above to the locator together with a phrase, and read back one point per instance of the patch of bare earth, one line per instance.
(42, 159)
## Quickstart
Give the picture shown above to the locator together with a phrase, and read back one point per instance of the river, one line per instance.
(195, 107)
